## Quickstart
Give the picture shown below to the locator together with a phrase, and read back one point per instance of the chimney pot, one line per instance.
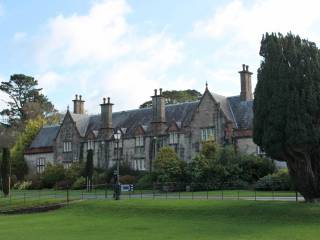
(104, 100)
(247, 68)
(160, 91)
(155, 92)
(108, 99)
(243, 67)
(80, 97)
(76, 96)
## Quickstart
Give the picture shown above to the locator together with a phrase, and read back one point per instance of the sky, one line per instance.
(123, 49)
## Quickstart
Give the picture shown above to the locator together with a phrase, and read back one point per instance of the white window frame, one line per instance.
(173, 138)
(90, 145)
(41, 164)
(139, 141)
(207, 134)
(67, 146)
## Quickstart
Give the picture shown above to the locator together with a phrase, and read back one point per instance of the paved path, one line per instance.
(195, 197)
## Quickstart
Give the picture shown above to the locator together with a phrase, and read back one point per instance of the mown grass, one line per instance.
(168, 219)
(25, 198)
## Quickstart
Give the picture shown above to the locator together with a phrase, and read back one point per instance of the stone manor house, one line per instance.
(183, 126)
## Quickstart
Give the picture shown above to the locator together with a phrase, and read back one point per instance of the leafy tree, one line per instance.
(5, 171)
(255, 167)
(89, 168)
(19, 166)
(287, 108)
(26, 100)
(177, 97)
(52, 175)
(168, 166)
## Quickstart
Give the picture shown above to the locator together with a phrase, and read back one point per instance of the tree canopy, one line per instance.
(176, 97)
(287, 108)
(19, 166)
(168, 166)
(26, 100)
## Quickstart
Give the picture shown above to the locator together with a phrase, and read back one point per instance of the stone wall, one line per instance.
(31, 160)
(68, 133)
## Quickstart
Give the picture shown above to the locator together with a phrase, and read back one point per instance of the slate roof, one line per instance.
(45, 137)
(131, 119)
(224, 104)
(242, 112)
(237, 111)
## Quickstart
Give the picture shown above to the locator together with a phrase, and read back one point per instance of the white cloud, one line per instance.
(104, 56)
(19, 36)
(247, 23)
(90, 38)
(238, 28)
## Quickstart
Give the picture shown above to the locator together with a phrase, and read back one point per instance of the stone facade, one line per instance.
(184, 126)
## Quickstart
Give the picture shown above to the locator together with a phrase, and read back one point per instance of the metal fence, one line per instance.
(199, 191)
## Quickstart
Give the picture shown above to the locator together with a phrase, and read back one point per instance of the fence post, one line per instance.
(272, 194)
(222, 194)
(255, 195)
(24, 197)
(67, 194)
(153, 192)
(140, 193)
(297, 196)
(238, 195)
(207, 191)
(106, 192)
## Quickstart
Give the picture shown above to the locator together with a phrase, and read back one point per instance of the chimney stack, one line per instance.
(106, 116)
(245, 80)
(158, 112)
(78, 105)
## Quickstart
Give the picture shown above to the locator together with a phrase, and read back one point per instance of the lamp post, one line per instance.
(117, 137)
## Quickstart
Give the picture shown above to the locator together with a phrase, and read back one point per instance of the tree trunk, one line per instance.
(304, 169)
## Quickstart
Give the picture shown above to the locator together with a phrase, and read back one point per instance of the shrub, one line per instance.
(36, 183)
(74, 171)
(99, 177)
(146, 181)
(63, 184)
(255, 167)
(125, 169)
(277, 181)
(128, 179)
(80, 183)
(53, 174)
(22, 185)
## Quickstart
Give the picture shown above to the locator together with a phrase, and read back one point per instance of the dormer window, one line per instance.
(207, 134)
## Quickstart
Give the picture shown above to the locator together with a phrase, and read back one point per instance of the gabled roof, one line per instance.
(242, 111)
(224, 104)
(45, 137)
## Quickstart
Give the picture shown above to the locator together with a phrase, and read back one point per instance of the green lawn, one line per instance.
(33, 197)
(168, 219)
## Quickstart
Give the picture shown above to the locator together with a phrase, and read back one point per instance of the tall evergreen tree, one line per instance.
(287, 108)
(5, 171)
(89, 169)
